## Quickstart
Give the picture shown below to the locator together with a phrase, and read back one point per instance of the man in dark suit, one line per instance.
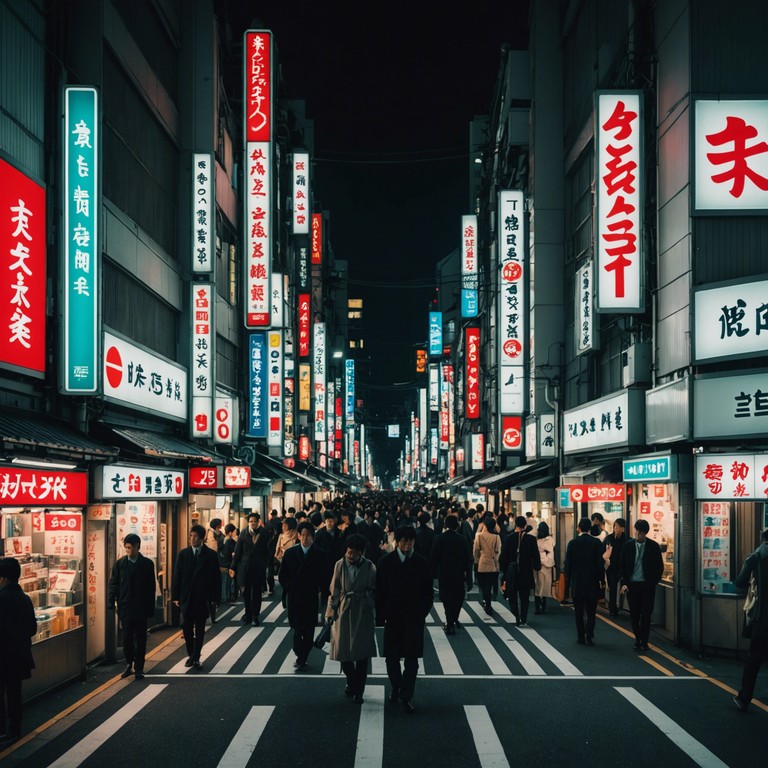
(132, 588)
(17, 627)
(641, 570)
(614, 546)
(518, 560)
(451, 561)
(304, 573)
(249, 566)
(403, 601)
(196, 584)
(583, 573)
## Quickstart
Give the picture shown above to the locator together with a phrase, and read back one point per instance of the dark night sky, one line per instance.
(389, 81)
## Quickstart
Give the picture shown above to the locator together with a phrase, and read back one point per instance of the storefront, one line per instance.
(731, 511)
(217, 492)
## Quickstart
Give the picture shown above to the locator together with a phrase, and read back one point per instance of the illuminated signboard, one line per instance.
(203, 206)
(203, 356)
(301, 214)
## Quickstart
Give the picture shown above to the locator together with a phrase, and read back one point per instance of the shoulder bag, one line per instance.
(750, 607)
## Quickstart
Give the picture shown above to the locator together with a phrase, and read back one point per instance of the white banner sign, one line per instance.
(301, 193)
(584, 305)
(318, 357)
(203, 359)
(258, 236)
(118, 481)
(732, 476)
(598, 424)
(730, 406)
(202, 212)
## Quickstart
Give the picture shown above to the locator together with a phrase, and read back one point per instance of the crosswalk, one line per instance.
(485, 646)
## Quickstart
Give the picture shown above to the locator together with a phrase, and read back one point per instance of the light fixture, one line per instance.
(42, 464)
(337, 354)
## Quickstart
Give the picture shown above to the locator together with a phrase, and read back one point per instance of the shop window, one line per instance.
(657, 503)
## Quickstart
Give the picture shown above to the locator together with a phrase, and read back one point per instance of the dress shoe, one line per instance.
(590, 641)
(740, 703)
(256, 623)
(197, 665)
(348, 692)
(394, 695)
(296, 664)
(523, 623)
(303, 667)
(643, 647)
(358, 699)
(139, 674)
(638, 646)
(247, 619)
(189, 662)
(458, 625)
(409, 706)
(127, 671)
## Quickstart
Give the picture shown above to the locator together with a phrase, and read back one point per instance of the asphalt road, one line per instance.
(493, 695)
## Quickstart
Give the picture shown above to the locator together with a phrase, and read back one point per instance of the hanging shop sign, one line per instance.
(257, 386)
(512, 433)
(469, 269)
(81, 208)
(650, 468)
(225, 414)
(305, 388)
(435, 334)
(546, 436)
(619, 201)
(476, 451)
(597, 492)
(203, 359)
(584, 305)
(304, 324)
(730, 406)
(472, 373)
(143, 380)
(732, 476)
(318, 357)
(434, 387)
(715, 530)
(731, 321)
(349, 391)
(317, 239)
(277, 307)
(301, 189)
(221, 477)
(730, 156)
(42, 487)
(22, 292)
(119, 481)
(203, 202)
(615, 420)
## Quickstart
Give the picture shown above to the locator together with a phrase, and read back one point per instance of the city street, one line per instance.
(492, 695)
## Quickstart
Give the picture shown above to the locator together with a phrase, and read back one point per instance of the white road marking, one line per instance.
(502, 610)
(550, 652)
(464, 617)
(287, 668)
(694, 749)
(87, 746)
(208, 648)
(445, 654)
(378, 662)
(525, 658)
(247, 737)
(480, 613)
(235, 653)
(259, 662)
(275, 613)
(331, 667)
(489, 749)
(370, 731)
(225, 613)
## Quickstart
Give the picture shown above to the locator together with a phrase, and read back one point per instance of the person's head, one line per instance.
(764, 537)
(641, 530)
(347, 515)
(451, 522)
(424, 519)
(490, 524)
(316, 519)
(253, 520)
(480, 508)
(520, 523)
(229, 529)
(10, 571)
(196, 535)
(330, 520)
(595, 530)
(585, 524)
(405, 536)
(355, 547)
(273, 514)
(598, 519)
(542, 531)
(619, 524)
(132, 544)
(301, 515)
(306, 533)
(216, 523)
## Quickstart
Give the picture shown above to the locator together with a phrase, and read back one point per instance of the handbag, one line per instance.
(560, 588)
(750, 607)
(324, 635)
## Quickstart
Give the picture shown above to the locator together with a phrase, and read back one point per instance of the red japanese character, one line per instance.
(737, 132)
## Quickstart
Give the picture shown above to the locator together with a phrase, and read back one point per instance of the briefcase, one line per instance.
(324, 635)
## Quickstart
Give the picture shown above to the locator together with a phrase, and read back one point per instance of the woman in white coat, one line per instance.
(352, 609)
(543, 577)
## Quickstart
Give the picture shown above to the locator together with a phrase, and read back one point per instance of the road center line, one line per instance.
(487, 743)
(370, 732)
(87, 746)
(694, 749)
(247, 737)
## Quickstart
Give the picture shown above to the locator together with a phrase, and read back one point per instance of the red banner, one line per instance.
(597, 492)
(472, 373)
(512, 432)
(258, 86)
(56, 521)
(42, 487)
(317, 238)
(304, 324)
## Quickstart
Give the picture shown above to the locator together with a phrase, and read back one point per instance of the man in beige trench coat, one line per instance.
(351, 608)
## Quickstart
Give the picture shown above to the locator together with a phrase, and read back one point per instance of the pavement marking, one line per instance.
(450, 678)
(235, 653)
(225, 613)
(247, 737)
(656, 665)
(503, 611)
(476, 610)
(692, 748)
(446, 657)
(208, 648)
(370, 732)
(550, 652)
(287, 668)
(259, 662)
(275, 613)
(87, 746)
(331, 667)
(487, 743)
(378, 662)
(464, 617)
(526, 660)
(239, 615)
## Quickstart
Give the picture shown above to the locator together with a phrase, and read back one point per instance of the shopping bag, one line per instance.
(323, 636)
(560, 589)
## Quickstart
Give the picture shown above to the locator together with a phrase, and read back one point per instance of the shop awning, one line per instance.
(166, 446)
(30, 431)
(546, 480)
(459, 481)
(515, 477)
(580, 471)
(297, 480)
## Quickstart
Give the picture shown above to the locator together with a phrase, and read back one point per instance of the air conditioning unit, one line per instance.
(636, 365)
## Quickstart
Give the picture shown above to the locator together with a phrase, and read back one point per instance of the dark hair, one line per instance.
(451, 522)
(199, 530)
(543, 530)
(316, 519)
(329, 515)
(424, 518)
(405, 532)
(356, 541)
(642, 525)
(480, 508)
(520, 522)
(301, 515)
(620, 521)
(215, 523)
(595, 530)
(597, 518)
(490, 524)
(10, 569)
(132, 538)
(229, 527)
(254, 515)
(585, 524)
(305, 526)
(765, 535)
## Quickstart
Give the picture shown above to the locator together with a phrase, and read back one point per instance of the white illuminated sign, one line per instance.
(584, 307)
(318, 358)
(203, 201)
(203, 356)
(730, 406)
(301, 211)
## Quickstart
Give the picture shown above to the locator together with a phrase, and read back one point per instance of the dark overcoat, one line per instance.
(302, 577)
(584, 567)
(17, 627)
(132, 588)
(403, 601)
(196, 582)
(251, 557)
(519, 559)
(451, 562)
(653, 563)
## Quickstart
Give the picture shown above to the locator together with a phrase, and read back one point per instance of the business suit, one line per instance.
(583, 572)
(641, 595)
(303, 577)
(451, 562)
(519, 559)
(132, 588)
(250, 566)
(196, 585)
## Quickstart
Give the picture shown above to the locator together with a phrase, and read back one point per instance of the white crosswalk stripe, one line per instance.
(445, 653)
(487, 743)
(275, 614)
(235, 653)
(210, 645)
(525, 658)
(247, 737)
(259, 662)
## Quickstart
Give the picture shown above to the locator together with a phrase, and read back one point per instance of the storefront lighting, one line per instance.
(43, 464)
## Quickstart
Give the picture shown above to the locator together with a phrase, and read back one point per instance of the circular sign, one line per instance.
(114, 365)
(577, 494)
(512, 348)
(512, 438)
(511, 272)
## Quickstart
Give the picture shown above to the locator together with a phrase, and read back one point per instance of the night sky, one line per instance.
(392, 87)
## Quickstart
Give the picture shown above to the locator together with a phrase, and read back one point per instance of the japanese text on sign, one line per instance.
(203, 199)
